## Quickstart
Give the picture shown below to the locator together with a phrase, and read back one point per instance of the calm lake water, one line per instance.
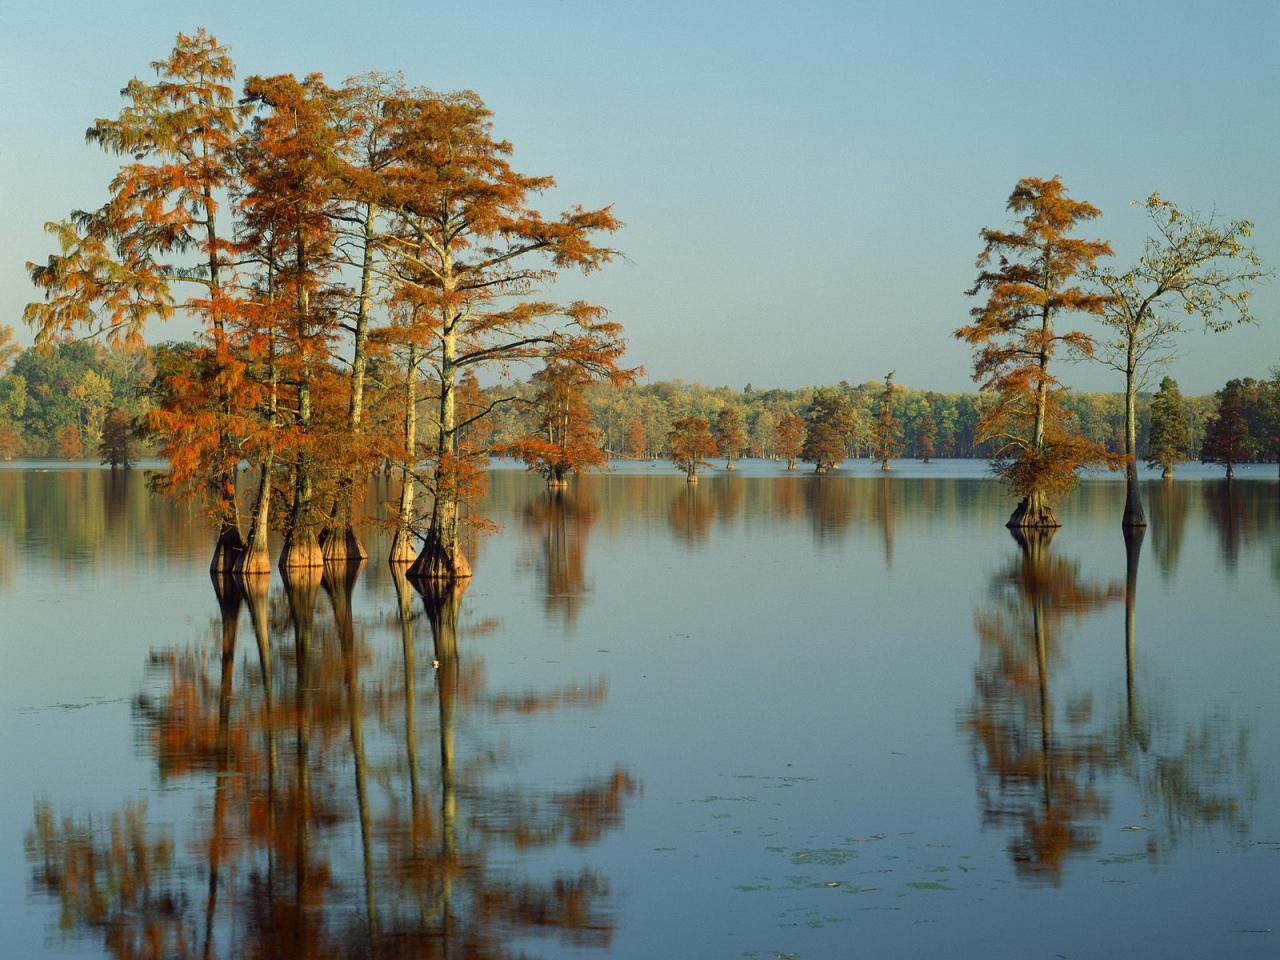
(773, 716)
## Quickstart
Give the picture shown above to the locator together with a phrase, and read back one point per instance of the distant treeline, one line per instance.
(53, 403)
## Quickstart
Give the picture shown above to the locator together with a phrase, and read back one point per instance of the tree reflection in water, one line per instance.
(559, 523)
(264, 870)
(1042, 768)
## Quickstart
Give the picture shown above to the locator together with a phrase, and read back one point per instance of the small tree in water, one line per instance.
(116, 446)
(730, 434)
(790, 438)
(565, 438)
(689, 444)
(927, 432)
(1170, 434)
(1037, 450)
(829, 426)
(884, 431)
(1226, 439)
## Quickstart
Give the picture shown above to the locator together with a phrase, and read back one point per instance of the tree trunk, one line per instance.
(255, 558)
(301, 549)
(1033, 512)
(441, 557)
(1133, 515)
(403, 549)
(342, 542)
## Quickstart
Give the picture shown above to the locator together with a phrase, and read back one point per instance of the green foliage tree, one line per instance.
(1227, 439)
(116, 446)
(884, 428)
(1191, 267)
(1170, 436)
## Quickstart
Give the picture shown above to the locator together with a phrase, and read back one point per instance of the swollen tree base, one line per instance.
(1033, 512)
(1133, 515)
(254, 561)
(343, 545)
(435, 562)
(227, 550)
(403, 550)
(301, 553)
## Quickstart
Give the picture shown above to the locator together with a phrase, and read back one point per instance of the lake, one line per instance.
(775, 715)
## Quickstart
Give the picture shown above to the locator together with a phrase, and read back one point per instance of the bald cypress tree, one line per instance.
(1027, 277)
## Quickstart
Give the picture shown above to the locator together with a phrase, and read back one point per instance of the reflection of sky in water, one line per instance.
(774, 714)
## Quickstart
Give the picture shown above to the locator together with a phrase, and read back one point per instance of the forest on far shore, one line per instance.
(55, 402)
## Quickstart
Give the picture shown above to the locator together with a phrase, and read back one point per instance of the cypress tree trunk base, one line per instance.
(1168, 474)
(884, 465)
(691, 478)
(436, 562)
(254, 562)
(403, 550)
(301, 553)
(1033, 512)
(227, 550)
(557, 483)
(343, 545)
(1133, 515)
(728, 466)
(791, 466)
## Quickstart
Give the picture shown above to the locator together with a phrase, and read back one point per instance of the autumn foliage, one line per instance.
(1026, 275)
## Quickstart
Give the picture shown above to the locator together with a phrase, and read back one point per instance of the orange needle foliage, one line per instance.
(1027, 275)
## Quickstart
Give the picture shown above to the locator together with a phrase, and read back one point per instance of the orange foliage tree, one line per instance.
(464, 239)
(790, 441)
(1028, 285)
(689, 444)
(116, 266)
(565, 440)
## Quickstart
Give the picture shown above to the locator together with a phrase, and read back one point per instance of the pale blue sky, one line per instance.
(803, 183)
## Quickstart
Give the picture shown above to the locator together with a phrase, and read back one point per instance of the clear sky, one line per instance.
(802, 183)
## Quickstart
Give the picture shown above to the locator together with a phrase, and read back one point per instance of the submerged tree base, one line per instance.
(343, 545)
(435, 562)
(403, 550)
(302, 553)
(691, 478)
(1033, 513)
(557, 483)
(227, 551)
(254, 561)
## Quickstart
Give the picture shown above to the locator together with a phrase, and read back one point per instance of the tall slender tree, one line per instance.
(121, 265)
(1191, 267)
(884, 428)
(1028, 276)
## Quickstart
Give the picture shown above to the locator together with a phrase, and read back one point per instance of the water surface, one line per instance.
(773, 715)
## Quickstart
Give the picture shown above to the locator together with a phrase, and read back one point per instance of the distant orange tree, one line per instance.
(689, 444)
(565, 439)
(1027, 276)
(790, 438)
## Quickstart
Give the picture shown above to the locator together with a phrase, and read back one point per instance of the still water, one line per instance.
(773, 716)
